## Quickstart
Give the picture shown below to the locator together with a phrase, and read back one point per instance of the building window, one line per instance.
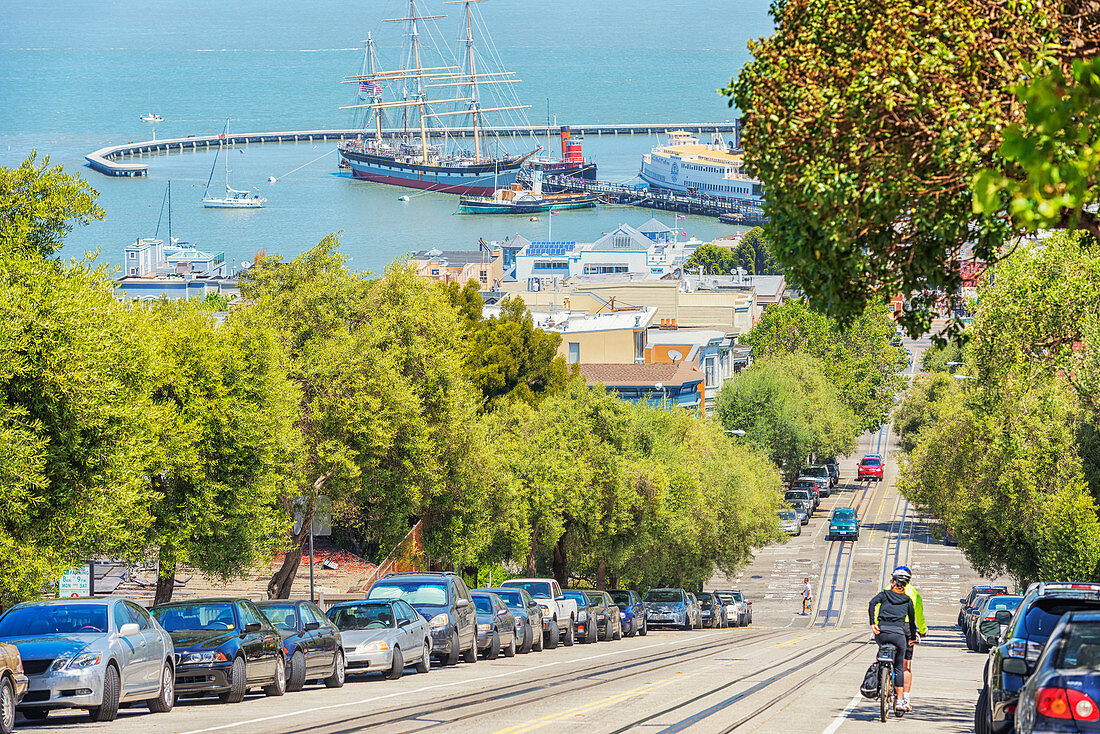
(133, 271)
(711, 376)
(574, 352)
(592, 269)
(620, 241)
(551, 265)
(133, 255)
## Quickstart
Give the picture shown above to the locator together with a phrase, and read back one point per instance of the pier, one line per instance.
(747, 212)
(107, 160)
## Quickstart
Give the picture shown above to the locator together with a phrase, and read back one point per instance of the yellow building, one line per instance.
(461, 266)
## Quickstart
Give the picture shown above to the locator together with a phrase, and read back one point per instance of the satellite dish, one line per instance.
(245, 264)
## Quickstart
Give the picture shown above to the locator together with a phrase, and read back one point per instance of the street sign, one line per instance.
(322, 515)
(74, 582)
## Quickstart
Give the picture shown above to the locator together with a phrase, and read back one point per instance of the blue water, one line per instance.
(75, 76)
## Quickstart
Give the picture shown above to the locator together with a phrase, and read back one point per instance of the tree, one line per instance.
(226, 448)
(869, 160)
(38, 205)
(713, 259)
(946, 358)
(754, 254)
(859, 359)
(921, 407)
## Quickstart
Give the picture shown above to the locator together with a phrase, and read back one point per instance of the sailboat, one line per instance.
(410, 161)
(233, 198)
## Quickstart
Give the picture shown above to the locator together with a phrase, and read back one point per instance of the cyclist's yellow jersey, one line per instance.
(918, 604)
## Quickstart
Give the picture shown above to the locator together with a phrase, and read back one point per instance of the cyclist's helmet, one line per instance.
(902, 575)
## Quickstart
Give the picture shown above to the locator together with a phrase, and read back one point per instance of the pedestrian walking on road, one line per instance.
(807, 597)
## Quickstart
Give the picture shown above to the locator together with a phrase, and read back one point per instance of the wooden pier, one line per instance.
(108, 161)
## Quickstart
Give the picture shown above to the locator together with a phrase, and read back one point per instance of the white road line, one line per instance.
(360, 702)
(843, 715)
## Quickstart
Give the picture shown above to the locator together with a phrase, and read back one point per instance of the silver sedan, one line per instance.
(90, 654)
(383, 635)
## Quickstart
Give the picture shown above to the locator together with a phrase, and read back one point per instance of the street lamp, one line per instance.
(661, 387)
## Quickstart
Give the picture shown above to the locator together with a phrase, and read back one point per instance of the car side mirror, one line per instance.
(501, 612)
(252, 627)
(310, 626)
(129, 630)
(962, 601)
(462, 603)
(404, 622)
(992, 640)
(1003, 616)
(1015, 666)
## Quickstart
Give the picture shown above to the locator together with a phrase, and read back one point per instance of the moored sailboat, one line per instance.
(233, 199)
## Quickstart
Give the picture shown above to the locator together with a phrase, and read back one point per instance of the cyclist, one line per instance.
(807, 596)
(893, 620)
(922, 631)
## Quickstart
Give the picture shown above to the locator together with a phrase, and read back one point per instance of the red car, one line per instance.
(870, 467)
(811, 485)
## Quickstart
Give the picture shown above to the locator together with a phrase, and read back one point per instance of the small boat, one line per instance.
(152, 117)
(518, 200)
(233, 198)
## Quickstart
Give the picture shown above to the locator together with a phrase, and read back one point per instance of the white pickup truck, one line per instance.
(558, 613)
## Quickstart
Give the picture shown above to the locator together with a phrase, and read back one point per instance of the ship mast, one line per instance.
(475, 104)
(376, 88)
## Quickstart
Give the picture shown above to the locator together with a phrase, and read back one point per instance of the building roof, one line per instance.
(653, 226)
(696, 337)
(641, 375)
(455, 258)
(768, 286)
(568, 321)
(638, 241)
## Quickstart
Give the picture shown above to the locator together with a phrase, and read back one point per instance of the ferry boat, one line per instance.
(572, 162)
(518, 200)
(684, 164)
(411, 161)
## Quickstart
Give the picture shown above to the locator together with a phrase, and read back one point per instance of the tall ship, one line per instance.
(686, 165)
(410, 91)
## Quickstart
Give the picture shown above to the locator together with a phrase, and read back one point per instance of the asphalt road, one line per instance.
(785, 672)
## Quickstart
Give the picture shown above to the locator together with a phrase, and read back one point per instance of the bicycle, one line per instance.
(887, 694)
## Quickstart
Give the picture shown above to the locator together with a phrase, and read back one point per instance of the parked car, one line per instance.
(383, 635)
(804, 496)
(974, 591)
(528, 616)
(738, 608)
(311, 641)
(834, 468)
(92, 654)
(584, 629)
(223, 647)
(631, 612)
(1063, 691)
(559, 613)
(668, 608)
(870, 467)
(13, 685)
(988, 629)
(969, 614)
(811, 486)
(444, 600)
(843, 524)
(496, 626)
(693, 605)
(609, 624)
(790, 522)
(711, 610)
(1013, 659)
(818, 471)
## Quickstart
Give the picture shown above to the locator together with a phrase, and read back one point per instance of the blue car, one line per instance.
(631, 612)
(312, 642)
(668, 608)
(1063, 691)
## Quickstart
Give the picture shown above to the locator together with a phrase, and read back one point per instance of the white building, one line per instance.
(149, 257)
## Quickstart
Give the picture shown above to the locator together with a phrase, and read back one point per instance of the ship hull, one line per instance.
(489, 206)
(477, 180)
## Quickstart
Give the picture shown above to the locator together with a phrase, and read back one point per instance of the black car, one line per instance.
(631, 612)
(586, 627)
(1020, 646)
(528, 616)
(223, 647)
(311, 641)
(968, 600)
(444, 600)
(1063, 692)
(712, 609)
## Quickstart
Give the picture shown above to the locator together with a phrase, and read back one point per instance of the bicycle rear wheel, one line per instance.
(885, 688)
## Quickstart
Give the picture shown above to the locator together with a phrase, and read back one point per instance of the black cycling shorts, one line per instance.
(909, 651)
(895, 637)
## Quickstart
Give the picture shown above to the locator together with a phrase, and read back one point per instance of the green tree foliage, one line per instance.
(38, 205)
(790, 410)
(869, 158)
(713, 259)
(754, 254)
(225, 443)
(921, 406)
(859, 359)
(940, 358)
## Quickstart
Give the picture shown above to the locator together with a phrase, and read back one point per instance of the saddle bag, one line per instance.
(869, 689)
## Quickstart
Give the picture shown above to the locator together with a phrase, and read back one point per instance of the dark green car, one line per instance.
(843, 524)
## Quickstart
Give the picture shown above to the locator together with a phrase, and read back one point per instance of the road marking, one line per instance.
(422, 689)
(843, 715)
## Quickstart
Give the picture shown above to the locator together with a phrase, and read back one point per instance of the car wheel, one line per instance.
(35, 714)
(397, 669)
(107, 710)
(591, 634)
(618, 631)
(424, 664)
(164, 702)
(552, 635)
(510, 651)
(453, 652)
(340, 670)
(278, 686)
(296, 676)
(238, 683)
(644, 629)
(536, 640)
(470, 656)
(568, 637)
(7, 706)
(528, 639)
(983, 716)
(686, 626)
(494, 648)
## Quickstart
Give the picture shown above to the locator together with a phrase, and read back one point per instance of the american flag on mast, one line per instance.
(368, 88)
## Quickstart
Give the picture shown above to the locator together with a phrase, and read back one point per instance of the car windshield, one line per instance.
(362, 617)
(427, 593)
(483, 604)
(579, 596)
(796, 494)
(196, 617)
(1080, 649)
(54, 619)
(513, 599)
(815, 471)
(999, 603)
(803, 484)
(283, 616)
(621, 598)
(1044, 614)
(737, 596)
(844, 513)
(662, 595)
(870, 461)
(787, 515)
(706, 602)
(537, 589)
